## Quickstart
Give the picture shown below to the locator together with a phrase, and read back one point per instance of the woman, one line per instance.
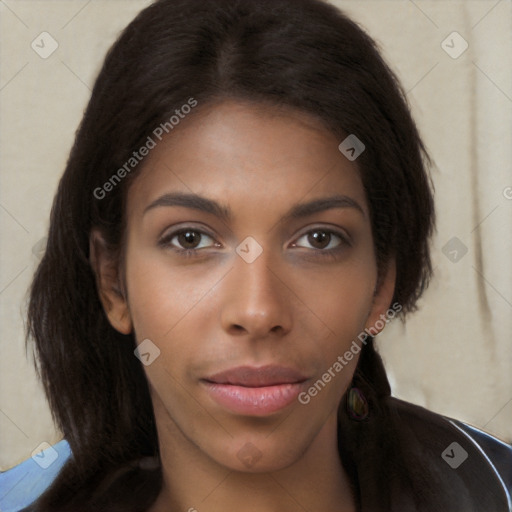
(246, 205)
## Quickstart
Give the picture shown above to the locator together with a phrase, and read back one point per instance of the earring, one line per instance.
(357, 405)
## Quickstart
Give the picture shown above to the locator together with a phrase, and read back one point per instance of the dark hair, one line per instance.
(301, 54)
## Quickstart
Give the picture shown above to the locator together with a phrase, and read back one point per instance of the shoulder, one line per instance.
(24, 483)
(481, 461)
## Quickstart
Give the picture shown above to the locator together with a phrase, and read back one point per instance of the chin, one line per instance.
(259, 455)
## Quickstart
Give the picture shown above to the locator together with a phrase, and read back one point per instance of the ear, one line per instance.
(108, 283)
(377, 318)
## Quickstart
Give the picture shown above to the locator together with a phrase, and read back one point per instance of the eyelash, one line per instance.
(331, 254)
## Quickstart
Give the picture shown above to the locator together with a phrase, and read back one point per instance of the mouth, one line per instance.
(255, 391)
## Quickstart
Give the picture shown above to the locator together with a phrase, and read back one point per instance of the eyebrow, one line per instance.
(210, 206)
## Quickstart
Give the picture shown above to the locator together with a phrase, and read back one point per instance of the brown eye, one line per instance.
(189, 239)
(319, 239)
(322, 239)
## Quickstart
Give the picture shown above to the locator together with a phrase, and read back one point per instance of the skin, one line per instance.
(291, 306)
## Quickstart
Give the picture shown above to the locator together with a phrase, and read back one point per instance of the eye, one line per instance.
(187, 240)
(323, 239)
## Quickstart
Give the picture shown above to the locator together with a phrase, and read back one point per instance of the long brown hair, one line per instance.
(303, 54)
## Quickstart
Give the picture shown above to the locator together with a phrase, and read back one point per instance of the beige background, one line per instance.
(455, 355)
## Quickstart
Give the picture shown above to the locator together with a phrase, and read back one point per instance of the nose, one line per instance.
(256, 300)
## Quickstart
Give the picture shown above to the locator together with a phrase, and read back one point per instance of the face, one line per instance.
(250, 268)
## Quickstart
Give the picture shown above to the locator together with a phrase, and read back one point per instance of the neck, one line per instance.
(192, 481)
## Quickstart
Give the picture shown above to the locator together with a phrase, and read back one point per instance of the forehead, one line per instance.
(247, 154)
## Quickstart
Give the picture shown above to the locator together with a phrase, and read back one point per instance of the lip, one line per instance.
(255, 391)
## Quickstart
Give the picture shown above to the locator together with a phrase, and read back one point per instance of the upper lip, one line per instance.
(252, 376)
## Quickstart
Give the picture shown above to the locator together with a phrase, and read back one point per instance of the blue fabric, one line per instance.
(24, 483)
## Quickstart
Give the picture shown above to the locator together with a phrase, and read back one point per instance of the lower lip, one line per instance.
(259, 401)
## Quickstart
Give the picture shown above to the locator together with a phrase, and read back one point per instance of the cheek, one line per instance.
(343, 302)
(161, 295)
(165, 305)
(341, 298)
